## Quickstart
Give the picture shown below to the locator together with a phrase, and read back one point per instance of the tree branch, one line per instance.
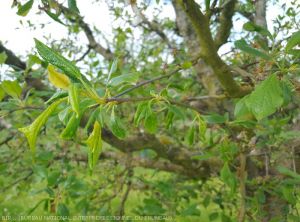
(209, 50)
(75, 17)
(17, 64)
(153, 26)
(176, 155)
(225, 23)
(146, 82)
(12, 60)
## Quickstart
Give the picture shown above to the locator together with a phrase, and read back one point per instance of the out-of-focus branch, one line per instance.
(260, 13)
(17, 64)
(225, 23)
(84, 54)
(75, 17)
(180, 156)
(24, 178)
(153, 26)
(260, 17)
(12, 60)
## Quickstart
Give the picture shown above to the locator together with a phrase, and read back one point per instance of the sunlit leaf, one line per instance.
(58, 79)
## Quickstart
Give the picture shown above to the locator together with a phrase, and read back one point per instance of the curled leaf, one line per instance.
(33, 129)
(94, 143)
(58, 79)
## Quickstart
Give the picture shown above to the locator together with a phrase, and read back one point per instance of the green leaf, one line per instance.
(62, 210)
(65, 115)
(59, 80)
(74, 98)
(215, 118)
(266, 98)
(242, 45)
(191, 135)
(288, 172)
(202, 128)
(207, 5)
(294, 52)
(288, 194)
(24, 9)
(92, 118)
(31, 131)
(3, 57)
(128, 78)
(251, 27)
(187, 65)
(54, 16)
(151, 123)
(51, 56)
(293, 41)
(176, 111)
(73, 123)
(191, 210)
(12, 88)
(71, 128)
(287, 91)
(228, 177)
(116, 128)
(241, 111)
(140, 113)
(94, 143)
(113, 68)
(73, 6)
(56, 96)
(2, 93)
(53, 178)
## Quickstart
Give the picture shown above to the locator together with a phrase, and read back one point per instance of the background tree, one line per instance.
(180, 129)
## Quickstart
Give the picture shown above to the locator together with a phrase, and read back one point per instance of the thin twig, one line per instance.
(17, 181)
(84, 54)
(121, 210)
(138, 85)
(153, 26)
